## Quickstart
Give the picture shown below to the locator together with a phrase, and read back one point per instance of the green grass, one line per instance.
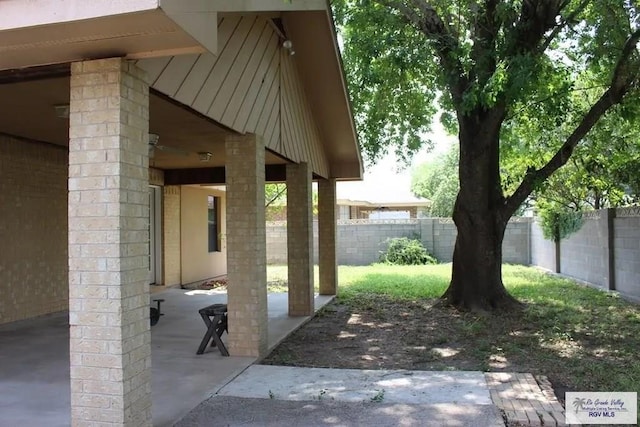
(393, 281)
(580, 337)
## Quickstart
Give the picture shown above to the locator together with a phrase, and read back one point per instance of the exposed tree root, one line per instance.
(500, 302)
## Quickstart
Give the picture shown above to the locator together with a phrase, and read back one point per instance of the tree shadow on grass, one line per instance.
(581, 338)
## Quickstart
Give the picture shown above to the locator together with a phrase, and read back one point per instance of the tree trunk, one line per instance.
(476, 281)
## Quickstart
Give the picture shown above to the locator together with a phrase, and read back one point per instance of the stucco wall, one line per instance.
(33, 229)
(197, 262)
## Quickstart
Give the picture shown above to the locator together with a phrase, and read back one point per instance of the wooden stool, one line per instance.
(215, 317)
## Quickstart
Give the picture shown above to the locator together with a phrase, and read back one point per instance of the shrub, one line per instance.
(558, 222)
(405, 251)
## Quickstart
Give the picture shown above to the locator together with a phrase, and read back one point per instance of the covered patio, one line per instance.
(34, 356)
(135, 144)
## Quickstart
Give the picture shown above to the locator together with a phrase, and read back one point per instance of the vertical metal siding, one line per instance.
(252, 86)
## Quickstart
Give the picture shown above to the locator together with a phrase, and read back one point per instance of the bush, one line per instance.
(558, 222)
(405, 251)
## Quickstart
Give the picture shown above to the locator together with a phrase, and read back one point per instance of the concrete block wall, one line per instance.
(277, 242)
(605, 252)
(33, 229)
(361, 241)
(516, 246)
(543, 252)
(444, 238)
(584, 255)
(627, 251)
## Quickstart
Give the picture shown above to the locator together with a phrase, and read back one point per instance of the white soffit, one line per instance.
(20, 14)
(267, 5)
(197, 17)
(41, 32)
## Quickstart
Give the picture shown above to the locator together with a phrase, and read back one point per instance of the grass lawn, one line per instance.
(583, 339)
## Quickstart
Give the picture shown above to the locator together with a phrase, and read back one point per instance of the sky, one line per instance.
(385, 182)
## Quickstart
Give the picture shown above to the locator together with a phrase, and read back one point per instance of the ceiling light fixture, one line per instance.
(153, 142)
(204, 156)
(153, 138)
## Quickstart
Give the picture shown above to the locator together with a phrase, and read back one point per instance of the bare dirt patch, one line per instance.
(381, 333)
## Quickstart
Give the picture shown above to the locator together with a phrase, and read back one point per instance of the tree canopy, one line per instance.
(552, 67)
(437, 180)
(521, 76)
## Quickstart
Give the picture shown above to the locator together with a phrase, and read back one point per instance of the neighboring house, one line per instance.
(381, 209)
(135, 141)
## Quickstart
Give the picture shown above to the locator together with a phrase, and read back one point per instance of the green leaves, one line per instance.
(557, 221)
(405, 251)
(389, 73)
(523, 74)
(437, 181)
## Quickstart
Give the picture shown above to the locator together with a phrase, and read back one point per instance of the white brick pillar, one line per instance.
(327, 236)
(246, 246)
(300, 239)
(108, 244)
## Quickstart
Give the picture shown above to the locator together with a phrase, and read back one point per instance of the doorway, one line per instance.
(155, 234)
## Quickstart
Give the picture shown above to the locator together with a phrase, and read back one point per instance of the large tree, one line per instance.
(437, 180)
(494, 67)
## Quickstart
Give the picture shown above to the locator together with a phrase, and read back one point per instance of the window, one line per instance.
(213, 220)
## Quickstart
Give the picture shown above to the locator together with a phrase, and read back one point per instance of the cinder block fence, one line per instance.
(361, 241)
(605, 252)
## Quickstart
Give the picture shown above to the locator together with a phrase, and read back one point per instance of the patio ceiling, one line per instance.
(54, 33)
(28, 112)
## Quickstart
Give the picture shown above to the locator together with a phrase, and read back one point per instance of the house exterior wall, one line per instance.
(251, 86)
(197, 262)
(33, 229)
(300, 140)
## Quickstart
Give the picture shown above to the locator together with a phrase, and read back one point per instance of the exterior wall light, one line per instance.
(288, 45)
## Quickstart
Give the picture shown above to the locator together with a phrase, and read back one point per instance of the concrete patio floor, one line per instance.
(34, 360)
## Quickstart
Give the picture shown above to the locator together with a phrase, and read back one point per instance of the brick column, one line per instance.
(246, 246)
(300, 239)
(327, 236)
(108, 245)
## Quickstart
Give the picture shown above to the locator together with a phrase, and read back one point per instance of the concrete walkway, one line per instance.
(34, 381)
(34, 360)
(290, 396)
